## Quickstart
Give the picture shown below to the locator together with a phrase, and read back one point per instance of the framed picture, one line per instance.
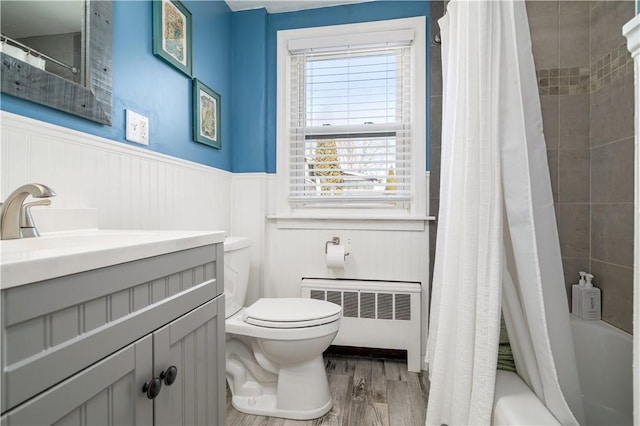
(172, 34)
(206, 115)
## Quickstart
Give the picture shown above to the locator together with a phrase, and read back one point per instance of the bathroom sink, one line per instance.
(57, 254)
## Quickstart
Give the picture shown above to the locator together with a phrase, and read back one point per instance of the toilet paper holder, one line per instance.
(335, 241)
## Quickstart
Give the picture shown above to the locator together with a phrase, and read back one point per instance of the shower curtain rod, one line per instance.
(436, 38)
(30, 50)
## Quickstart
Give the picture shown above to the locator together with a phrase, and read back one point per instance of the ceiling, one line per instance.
(277, 6)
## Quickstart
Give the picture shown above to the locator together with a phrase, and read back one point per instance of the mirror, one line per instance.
(58, 53)
(45, 34)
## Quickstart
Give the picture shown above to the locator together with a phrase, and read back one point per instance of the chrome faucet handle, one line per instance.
(26, 220)
(27, 225)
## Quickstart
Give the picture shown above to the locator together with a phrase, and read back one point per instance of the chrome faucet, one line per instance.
(27, 225)
(13, 213)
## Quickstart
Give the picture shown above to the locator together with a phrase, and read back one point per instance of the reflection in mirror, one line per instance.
(58, 53)
(45, 34)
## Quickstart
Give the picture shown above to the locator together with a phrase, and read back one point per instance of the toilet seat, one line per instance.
(291, 313)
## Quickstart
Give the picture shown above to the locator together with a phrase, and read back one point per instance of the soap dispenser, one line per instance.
(591, 300)
(576, 295)
(586, 301)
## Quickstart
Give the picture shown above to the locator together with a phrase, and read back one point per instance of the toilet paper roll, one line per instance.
(335, 256)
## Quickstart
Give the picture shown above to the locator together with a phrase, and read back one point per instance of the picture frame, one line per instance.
(206, 115)
(172, 34)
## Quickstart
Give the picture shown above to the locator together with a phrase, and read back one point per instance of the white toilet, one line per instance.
(274, 362)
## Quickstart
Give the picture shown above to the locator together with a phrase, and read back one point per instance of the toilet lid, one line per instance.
(291, 312)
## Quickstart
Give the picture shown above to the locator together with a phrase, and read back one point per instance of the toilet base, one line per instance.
(265, 405)
(302, 393)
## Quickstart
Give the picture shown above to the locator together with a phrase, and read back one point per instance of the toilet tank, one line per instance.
(237, 258)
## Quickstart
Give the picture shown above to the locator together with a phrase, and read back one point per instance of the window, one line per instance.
(351, 128)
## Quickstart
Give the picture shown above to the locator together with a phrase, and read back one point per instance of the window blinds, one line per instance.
(350, 127)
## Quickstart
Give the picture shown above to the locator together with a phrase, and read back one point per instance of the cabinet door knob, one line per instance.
(169, 375)
(152, 388)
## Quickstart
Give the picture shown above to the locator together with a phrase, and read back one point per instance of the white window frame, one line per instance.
(344, 35)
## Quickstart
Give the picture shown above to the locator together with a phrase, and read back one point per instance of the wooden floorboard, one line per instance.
(362, 380)
(340, 387)
(365, 392)
(399, 404)
(378, 381)
(367, 413)
(395, 370)
(417, 400)
(383, 410)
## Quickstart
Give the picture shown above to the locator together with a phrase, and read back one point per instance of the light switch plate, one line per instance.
(137, 128)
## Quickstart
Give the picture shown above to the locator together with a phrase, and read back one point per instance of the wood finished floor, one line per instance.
(366, 391)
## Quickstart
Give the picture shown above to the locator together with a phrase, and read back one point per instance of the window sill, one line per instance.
(371, 223)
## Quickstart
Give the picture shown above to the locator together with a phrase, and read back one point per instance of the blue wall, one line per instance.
(146, 84)
(249, 161)
(233, 53)
(249, 87)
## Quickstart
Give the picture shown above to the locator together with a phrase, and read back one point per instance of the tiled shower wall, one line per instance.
(585, 79)
(435, 125)
(586, 92)
(560, 40)
(612, 160)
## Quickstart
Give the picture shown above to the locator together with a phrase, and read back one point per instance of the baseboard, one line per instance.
(366, 352)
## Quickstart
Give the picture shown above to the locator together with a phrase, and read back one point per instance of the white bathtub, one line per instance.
(604, 356)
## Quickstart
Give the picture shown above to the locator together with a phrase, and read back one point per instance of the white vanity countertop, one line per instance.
(57, 254)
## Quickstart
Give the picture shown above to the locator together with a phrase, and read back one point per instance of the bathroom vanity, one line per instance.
(118, 327)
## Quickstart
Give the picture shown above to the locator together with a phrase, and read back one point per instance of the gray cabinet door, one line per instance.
(108, 392)
(194, 343)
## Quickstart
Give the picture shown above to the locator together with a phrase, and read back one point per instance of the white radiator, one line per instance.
(375, 314)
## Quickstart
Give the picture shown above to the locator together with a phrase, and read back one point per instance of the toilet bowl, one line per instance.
(274, 347)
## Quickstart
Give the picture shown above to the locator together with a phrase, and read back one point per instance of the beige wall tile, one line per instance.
(549, 106)
(622, 108)
(612, 233)
(434, 206)
(607, 19)
(616, 284)
(573, 122)
(573, 229)
(599, 112)
(573, 175)
(435, 121)
(435, 53)
(436, 11)
(543, 23)
(612, 112)
(434, 177)
(435, 67)
(612, 172)
(552, 160)
(573, 36)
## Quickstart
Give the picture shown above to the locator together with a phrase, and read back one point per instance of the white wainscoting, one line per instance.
(135, 188)
(283, 256)
(131, 188)
(249, 198)
(291, 254)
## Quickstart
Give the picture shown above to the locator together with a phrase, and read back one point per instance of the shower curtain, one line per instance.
(497, 245)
